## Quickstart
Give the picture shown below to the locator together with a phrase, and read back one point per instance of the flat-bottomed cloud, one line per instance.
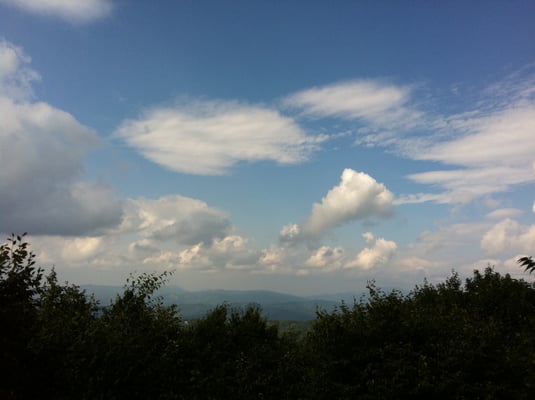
(357, 196)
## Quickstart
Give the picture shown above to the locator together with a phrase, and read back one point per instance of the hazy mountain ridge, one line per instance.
(275, 305)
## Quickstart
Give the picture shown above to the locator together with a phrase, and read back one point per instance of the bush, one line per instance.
(449, 340)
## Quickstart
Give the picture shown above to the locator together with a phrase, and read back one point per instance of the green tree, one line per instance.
(528, 263)
(451, 340)
(65, 322)
(235, 354)
(20, 282)
(131, 343)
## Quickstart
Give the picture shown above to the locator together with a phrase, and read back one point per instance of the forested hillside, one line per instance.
(195, 304)
(472, 339)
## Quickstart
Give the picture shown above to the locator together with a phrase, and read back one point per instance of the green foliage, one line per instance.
(19, 278)
(451, 340)
(66, 316)
(528, 263)
(231, 353)
(130, 342)
(19, 287)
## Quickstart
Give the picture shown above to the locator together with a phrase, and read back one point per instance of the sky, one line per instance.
(304, 147)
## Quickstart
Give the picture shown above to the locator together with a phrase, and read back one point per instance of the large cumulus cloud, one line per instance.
(169, 232)
(379, 252)
(357, 196)
(176, 218)
(509, 236)
(43, 151)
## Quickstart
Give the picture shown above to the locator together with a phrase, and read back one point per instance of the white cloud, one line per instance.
(465, 185)
(142, 248)
(416, 263)
(228, 253)
(233, 252)
(84, 254)
(379, 253)
(145, 241)
(449, 240)
(492, 148)
(208, 138)
(503, 138)
(306, 260)
(279, 259)
(437, 252)
(417, 198)
(83, 248)
(486, 150)
(74, 11)
(289, 233)
(192, 256)
(326, 258)
(16, 76)
(177, 218)
(509, 236)
(43, 150)
(358, 196)
(502, 213)
(372, 101)
(491, 202)
(185, 233)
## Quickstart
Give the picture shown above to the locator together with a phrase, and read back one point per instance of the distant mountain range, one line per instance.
(275, 306)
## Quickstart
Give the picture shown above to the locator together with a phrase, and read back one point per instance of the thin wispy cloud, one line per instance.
(492, 145)
(492, 154)
(502, 213)
(16, 75)
(210, 137)
(73, 11)
(378, 104)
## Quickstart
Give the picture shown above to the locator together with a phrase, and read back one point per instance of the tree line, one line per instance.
(471, 339)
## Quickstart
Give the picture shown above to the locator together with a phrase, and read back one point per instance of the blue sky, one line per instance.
(295, 146)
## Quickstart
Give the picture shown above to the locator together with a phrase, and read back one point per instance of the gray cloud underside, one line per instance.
(43, 151)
